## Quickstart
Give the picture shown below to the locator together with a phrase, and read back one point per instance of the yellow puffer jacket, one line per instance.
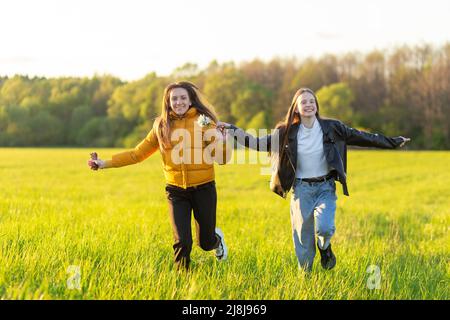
(186, 163)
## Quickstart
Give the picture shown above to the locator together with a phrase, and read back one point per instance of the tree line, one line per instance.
(404, 90)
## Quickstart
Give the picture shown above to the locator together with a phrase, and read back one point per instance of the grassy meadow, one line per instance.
(67, 232)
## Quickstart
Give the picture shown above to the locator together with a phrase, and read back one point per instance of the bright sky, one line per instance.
(130, 38)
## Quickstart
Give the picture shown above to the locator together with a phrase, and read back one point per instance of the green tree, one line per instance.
(135, 99)
(18, 131)
(314, 73)
(135, 104)
(14, 90)
(221, 89)
(103, 87)
(46, 130)
(251, 100)
(259, 121)
(335, 102)
(80, 116)
(370, 89)
(187, 71)
(95, 133)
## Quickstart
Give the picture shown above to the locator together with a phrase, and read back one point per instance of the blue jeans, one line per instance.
(313, 206)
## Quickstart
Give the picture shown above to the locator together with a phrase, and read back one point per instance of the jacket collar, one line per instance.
(192, 112)
(324, 125)
(292, 135)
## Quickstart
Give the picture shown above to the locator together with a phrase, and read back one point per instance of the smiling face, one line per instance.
(179, 101)
(306, 105)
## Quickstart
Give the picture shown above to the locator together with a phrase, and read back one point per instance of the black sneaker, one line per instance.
(327, 258)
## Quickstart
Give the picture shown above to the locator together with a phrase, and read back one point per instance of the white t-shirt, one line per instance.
(311, 160)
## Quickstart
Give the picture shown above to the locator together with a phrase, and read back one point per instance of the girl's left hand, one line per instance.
(223, 125)
(405, 140)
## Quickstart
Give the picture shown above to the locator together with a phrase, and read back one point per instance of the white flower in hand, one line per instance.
(95, 163)
(204, 121)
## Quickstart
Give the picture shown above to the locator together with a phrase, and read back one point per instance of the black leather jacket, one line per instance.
(336, 137)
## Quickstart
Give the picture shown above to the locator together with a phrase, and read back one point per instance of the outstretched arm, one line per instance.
(365, 139)
(247, 140)
(141, 152)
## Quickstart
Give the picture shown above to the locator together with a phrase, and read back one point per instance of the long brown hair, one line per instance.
(292, 116)
(162, 123)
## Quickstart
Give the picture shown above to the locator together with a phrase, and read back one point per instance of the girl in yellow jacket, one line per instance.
(189, 143)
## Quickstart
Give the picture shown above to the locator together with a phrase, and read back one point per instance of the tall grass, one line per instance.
(113, 227)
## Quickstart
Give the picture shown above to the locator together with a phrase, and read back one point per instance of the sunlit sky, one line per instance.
(130, 38)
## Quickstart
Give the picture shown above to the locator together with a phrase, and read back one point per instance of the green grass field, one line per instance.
(58, 217)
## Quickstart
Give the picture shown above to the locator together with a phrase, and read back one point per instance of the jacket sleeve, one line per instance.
(365, 139)
(247, 140)
(141, 152)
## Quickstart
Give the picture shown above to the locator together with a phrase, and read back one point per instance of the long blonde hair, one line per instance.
(162, 123)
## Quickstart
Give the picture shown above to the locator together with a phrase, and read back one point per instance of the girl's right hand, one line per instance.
(94, 163)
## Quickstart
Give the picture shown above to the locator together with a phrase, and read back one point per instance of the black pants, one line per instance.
(202, 200)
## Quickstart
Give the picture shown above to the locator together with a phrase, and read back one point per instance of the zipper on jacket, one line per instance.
(289, 158)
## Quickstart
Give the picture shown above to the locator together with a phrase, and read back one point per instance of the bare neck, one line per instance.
(308, 122)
